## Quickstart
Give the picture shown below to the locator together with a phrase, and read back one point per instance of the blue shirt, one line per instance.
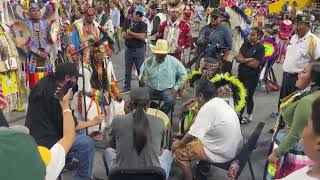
(162, 76)
(220, 35)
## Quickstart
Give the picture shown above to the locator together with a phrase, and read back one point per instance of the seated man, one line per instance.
(159, 72)
(137, 138)
(216, 127)
(17, 146)
(45, 120)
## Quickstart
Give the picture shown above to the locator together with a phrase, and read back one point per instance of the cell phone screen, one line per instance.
(64, 89)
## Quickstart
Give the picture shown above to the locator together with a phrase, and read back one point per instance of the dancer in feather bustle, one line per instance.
(40, 48)
(10, 71)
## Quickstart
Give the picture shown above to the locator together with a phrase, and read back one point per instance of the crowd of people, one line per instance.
(59, 55)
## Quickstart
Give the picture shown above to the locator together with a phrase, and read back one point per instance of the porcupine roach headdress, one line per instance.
(173, 3)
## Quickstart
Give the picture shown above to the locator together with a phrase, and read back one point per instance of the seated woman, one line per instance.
(137, 138)
(294, 112)
(311, 141)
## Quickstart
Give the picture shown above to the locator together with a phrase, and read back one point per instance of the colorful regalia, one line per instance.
(238, 21)
(99, 76)
(188, 11)
(10, 70)
(38, 33)
(284, 34)
(6, 12)
(82, 34)
(176, 33)
(260, 17)
(228, 87)
(37, 66)
(106, 22)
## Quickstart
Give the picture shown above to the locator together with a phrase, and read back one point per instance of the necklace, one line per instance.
(37, 32)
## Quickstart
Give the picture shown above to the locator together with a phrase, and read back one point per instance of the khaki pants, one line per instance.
(192, 151)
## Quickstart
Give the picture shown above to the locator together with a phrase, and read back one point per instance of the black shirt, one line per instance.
(136, 27)
(44, 116)
(251, 51)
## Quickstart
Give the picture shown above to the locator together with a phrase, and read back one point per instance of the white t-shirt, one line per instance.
(217, 126)
(300, 174)
(57, 162)
(299, 52)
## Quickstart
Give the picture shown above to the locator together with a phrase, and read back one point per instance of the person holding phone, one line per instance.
(45, 120)
(51, 161)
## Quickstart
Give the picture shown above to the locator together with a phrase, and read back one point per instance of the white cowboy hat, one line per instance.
(161, 47)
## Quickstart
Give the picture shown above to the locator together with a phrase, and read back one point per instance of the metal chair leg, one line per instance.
(202, 170)
(251, 169)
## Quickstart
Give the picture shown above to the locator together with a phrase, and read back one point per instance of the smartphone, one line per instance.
(64, 89)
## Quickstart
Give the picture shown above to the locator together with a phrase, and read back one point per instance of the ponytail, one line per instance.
(140, 125)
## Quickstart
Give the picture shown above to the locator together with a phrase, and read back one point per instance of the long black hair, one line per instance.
(141, 131)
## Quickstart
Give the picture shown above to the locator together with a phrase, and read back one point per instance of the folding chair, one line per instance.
(156, 103)
(269, 73)
(149, 173)
(203, 167)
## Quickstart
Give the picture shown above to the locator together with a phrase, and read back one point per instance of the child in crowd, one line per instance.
(199, 10)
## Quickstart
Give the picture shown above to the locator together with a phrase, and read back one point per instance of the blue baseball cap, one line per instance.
(139, 9)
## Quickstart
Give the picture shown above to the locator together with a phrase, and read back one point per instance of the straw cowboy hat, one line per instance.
(161, 47)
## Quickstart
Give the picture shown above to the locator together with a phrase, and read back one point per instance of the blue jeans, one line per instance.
(165, 96)
(83, 149)
(132, 56)
(165, 159)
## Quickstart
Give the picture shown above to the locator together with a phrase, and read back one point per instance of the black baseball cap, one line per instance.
(302, 18)
(155, 6)
(65, 69)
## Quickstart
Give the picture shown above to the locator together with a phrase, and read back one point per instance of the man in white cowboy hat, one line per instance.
(160, 71)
